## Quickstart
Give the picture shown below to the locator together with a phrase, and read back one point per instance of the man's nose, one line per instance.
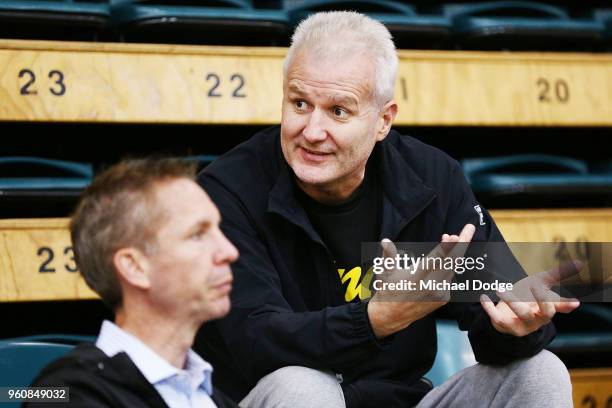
(227, 251)
(315, 127)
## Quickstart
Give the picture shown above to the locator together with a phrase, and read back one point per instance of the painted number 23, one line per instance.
(47, 256)
(57, 88)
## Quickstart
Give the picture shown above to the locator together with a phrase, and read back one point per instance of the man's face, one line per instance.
(330, 121)
(190, 271)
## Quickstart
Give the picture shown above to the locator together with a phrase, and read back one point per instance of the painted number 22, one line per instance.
(237, 81)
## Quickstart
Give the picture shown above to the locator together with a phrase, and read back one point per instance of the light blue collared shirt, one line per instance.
(189, 387)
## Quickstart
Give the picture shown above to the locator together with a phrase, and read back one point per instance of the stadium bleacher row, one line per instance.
(544, 179)
(476, 25)
(508, 181)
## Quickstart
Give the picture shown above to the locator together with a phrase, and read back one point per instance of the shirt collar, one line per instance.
(113, 340)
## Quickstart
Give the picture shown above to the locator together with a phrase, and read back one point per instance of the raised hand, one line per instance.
(531, 303)
(388, 313)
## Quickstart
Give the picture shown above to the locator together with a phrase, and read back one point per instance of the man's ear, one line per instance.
(388, 114)
(133, 267)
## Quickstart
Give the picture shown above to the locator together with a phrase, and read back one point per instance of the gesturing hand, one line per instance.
(531, 303)
(389, 314)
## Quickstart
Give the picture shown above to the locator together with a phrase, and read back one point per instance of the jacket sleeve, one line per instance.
(262, 332)
(83, 390)
(489, 345)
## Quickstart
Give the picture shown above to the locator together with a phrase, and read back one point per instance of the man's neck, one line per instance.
(334, 193)
(169, 338)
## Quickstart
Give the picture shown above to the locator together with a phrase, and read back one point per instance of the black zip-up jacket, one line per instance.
(95, 380)
(283, 308)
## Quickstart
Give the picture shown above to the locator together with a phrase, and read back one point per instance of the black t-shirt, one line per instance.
(343, 228)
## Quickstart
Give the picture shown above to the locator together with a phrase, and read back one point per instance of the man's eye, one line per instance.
(197, 235)
(340, 113)
(301, 105)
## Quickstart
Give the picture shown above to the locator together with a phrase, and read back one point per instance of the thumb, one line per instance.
(388, 247)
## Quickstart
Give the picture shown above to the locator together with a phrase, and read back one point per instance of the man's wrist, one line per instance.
(382, 321)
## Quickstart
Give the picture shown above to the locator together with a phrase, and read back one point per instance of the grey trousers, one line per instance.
(539, 381)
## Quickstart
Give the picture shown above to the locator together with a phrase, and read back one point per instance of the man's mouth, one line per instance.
(313, 155)
(225, 287)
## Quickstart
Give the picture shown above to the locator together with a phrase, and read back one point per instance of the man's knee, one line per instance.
(296, 386)
(543, 378)
(544, 365)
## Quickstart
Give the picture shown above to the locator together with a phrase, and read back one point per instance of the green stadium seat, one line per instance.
(21, 359)
(536, 180)
(62, 339)
(521, 25)
(32, 186)
(584, 337)
(53, 19)
(578, 346)
(19, 174)
(454, 352)
(604, 16)
(219, 22)
(409, 29)
(601, 167)
(202, 160)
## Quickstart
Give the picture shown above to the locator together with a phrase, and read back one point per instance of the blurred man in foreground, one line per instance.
(147, 240)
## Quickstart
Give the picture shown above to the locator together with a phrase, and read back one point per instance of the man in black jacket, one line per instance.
(299, 200)
(147, 240)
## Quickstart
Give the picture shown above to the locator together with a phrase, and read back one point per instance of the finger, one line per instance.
(566, 305)
(442, 248)
(429, 271)
(547, 308)
(490, 309)
(564, 271)
(388, 247)
(446, 246)
(521, 309)
(467, 233)
(464, 238)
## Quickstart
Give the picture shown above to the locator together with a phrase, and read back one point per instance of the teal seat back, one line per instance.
(219, 22)
(401, 19)
(22, 359)
(522, 25)
(454, 352)
(595, 338)
(604, 16)
(535, 174)
(75, 7)
(21, 362)
(34, 173)
(134, 11)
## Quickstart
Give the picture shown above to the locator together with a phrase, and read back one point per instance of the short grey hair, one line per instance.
(340, 34)
(119, 209)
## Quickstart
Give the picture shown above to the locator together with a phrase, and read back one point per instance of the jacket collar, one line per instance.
(404, 193)
(121, 371)
(283, 198)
